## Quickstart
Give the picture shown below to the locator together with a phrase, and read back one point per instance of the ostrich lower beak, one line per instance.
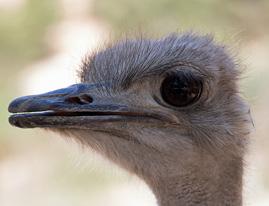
(73, 107)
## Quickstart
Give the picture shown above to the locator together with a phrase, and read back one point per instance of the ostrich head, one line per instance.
(167, 110)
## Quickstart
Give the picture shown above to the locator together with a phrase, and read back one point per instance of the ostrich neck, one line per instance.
(202, 186)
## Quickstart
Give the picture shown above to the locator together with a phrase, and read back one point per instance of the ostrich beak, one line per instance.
(73, 107)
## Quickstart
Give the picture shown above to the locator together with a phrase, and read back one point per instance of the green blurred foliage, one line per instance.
(22, 32)
(162, 16)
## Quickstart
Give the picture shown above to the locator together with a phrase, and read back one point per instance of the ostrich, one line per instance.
(167, 110)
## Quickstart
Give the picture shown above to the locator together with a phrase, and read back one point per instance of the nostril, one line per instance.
(82, 99)
(86, 98)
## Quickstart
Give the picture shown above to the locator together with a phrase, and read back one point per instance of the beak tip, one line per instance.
(18, 120)
(22, 104)
(14, 105)
(13, 121)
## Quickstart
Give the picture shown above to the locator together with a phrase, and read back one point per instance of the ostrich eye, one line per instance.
(181, 89)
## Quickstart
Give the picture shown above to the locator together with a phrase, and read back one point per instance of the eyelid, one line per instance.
(192, 74)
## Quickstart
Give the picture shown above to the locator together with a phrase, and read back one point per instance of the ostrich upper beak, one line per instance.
(73, 107)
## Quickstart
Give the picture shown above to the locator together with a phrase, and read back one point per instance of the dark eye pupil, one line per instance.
(181, 89)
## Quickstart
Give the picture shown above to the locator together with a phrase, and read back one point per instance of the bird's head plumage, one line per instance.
(154, 106)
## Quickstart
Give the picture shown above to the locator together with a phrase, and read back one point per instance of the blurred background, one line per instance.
(41, 45)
